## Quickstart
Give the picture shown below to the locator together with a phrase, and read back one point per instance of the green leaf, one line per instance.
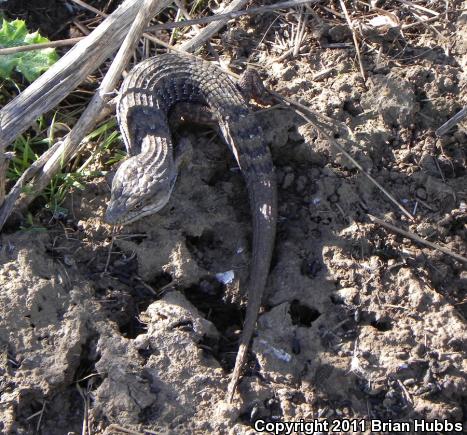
(31, 64)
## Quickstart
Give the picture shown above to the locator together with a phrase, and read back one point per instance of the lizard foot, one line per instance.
(252, 88)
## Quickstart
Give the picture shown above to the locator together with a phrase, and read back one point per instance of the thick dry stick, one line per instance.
(71, 143)
(211, 29)
(56, 83)
(65, 75)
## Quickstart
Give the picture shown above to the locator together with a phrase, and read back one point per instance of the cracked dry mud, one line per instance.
(357, 322)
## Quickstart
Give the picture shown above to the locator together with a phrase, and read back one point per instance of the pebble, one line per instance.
(314, 173)
(421, 193)
(68, 260)
(288, 180)
(401, 355)
(289, 73)
(301, 183)
(333, 198)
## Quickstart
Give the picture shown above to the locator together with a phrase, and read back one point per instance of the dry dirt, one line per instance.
(358, 322)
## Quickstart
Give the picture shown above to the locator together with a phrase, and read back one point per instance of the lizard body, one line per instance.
(143, 183)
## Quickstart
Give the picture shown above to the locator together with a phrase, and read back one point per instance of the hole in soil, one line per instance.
(87, 365)
(139, 238)
(127, 308)
(349, 106)
(210, 347)
(220, 174)
(208, 296)
(302, 315)
(310, 268)
(382, 325)
(268, 410)
(337, 300)
(161, 280)
(133, 328)
(206, 241)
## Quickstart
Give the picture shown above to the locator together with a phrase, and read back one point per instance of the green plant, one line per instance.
(80, 172)
(28, 148)
(31, 64)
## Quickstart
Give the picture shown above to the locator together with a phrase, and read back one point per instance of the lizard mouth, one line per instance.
(117, 214)
(114, 215)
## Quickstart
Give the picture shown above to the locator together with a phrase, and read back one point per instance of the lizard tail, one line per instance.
(263, 204)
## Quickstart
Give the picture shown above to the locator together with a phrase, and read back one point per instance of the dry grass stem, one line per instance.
(211, 29)
(458, 117)
(300, 33)
(354, 36)
(417, 238)
(304, 112)
(89, 7)
(116, 429)
(165, 26)
(31, 47)
(419, 7)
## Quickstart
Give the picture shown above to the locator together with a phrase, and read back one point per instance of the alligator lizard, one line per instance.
(143, 183)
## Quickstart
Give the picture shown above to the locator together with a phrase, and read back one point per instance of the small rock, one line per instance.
(333, 198)
(409, 382)
(339, 33)
(68, 260)
(301, 183)
(421, 193)
(401, 355)
(289, 73)
(288, 180)
(314, 173)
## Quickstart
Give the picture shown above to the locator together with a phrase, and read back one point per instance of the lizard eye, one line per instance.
(138, 205)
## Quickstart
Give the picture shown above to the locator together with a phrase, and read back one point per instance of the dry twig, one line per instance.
(458, 117)
(304, 112)
(418, 239)
(354, 36)
(41, 46)
(89, 7)
(419, 7)
(212, 28)
(165, 26)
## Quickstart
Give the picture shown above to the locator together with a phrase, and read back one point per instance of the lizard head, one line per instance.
(137, 192)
